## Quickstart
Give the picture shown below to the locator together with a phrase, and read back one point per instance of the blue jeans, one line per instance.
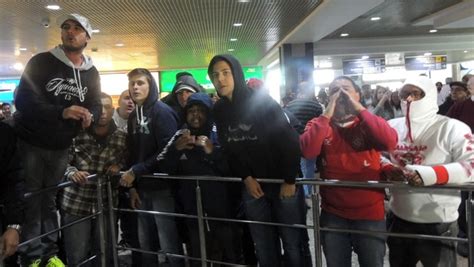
(80, 240)
(41, 168)
(407, 252)
(338, 247)
(158, 229)
(270, 208)
(308, 168)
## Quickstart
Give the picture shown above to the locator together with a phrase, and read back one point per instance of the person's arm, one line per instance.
(384, 137)
(92, 101)
(168, 158)
(460, 143)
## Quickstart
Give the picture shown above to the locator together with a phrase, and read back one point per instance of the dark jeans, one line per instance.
(338, 247)
(41, 168)
(270, 208)
(407, 252)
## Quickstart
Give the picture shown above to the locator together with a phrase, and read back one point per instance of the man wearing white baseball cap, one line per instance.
(58, 95)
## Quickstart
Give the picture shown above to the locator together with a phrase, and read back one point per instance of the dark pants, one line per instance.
(407, 252)
(270, 208)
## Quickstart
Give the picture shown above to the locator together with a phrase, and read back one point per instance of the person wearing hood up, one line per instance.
(150, 127)
(58, 95)
(194, 150)
(348, 139)
(261, 144)
(432, 150)
(185, 86)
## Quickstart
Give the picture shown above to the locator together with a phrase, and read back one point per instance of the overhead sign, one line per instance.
(425, 63)
(367, 66)
(394, 59)
(6, 89)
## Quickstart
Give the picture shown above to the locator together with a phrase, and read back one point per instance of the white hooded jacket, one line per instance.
(440, 149)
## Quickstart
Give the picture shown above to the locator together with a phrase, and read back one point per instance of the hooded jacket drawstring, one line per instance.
(407, 119)
(140, 118)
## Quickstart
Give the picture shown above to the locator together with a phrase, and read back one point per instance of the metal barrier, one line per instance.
(317, 183)
(99, 214)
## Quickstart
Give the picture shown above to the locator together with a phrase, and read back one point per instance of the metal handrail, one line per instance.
(315, 198)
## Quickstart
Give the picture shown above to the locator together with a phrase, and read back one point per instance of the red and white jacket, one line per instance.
(350, 153)
(440, 149)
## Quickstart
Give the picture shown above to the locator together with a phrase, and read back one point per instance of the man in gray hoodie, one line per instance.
(58, 95)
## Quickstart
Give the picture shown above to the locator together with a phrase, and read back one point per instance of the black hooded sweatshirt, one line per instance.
(49, 84)
(254, 131)
(150, 126)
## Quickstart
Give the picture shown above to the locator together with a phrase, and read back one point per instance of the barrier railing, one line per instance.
(316, 227)
(99, 215)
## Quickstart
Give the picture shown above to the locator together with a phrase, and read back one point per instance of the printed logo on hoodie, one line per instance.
(241, 133)
(67, 87)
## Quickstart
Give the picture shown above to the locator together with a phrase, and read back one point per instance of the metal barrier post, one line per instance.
(469, 205)
(113, 238)
(202, 237)
(318, 257)
(100, 209)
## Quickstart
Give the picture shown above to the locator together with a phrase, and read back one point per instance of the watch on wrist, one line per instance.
(15, 226)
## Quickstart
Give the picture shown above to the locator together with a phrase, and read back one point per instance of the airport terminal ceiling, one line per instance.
(170, 34)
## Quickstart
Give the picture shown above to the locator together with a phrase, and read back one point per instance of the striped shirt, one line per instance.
(90, 153)
(304, 110)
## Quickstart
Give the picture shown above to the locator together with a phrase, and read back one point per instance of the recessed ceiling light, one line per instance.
(53, 7)
(237, 24)
(22, 49)
(344, 34)
(433, 31)
(243, 1)
(374, 18)
(95, 31)
(18, 66)
(364, 57)
(233, 39)
(465, 51)
(119, 44)
(230, 49)
(427, 54)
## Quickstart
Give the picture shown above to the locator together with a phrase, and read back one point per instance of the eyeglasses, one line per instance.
(415, 94)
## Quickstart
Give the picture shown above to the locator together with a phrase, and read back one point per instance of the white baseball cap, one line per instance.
(83, 21)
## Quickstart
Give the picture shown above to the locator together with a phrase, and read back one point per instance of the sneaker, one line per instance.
(35, 263)
(55, 262)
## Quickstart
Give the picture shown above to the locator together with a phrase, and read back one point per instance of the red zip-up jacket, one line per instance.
(350, 153)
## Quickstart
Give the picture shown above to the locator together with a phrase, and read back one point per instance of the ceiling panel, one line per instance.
(157, 34)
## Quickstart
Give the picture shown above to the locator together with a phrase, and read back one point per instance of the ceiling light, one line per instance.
(243, 1)
(364, 57)
(329, 57)
(22, 49)
(374, 18)
(237, 24)
(344, 34)
(18, 66)
(427, 54)
(119, 44)
(233, 39)
(95, 31)
(230, 49)
(433, 31)
(53, 7)
(465, 51)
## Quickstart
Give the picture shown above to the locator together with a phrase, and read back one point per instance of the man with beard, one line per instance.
(58, 95)
(348, 138)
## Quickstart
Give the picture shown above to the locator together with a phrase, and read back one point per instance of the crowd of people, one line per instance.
(65, 129)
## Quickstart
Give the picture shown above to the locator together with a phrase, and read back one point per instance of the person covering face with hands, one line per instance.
(348, 139)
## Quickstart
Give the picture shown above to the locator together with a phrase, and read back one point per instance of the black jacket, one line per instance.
(254, 131)
(48, 85)
(150, 127)
(11, 184)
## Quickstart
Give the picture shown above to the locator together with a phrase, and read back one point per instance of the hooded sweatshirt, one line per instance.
(440, 149)
(254, 131)
(150, 127)
(171, 100)
(49, 84)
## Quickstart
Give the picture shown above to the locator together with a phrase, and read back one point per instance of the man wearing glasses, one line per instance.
(431, 150)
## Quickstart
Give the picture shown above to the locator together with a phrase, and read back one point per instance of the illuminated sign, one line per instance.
(425, 63)
(6, 89)
(359, 66)
(168, 78)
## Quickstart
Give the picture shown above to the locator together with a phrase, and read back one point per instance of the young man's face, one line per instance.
(196, 116)
(126, 104)
(222, 79)
(107, 112)
(6, 110)
(73, 36)
(411, 93)
(344, 109)
(139, 88)
(183, 96)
